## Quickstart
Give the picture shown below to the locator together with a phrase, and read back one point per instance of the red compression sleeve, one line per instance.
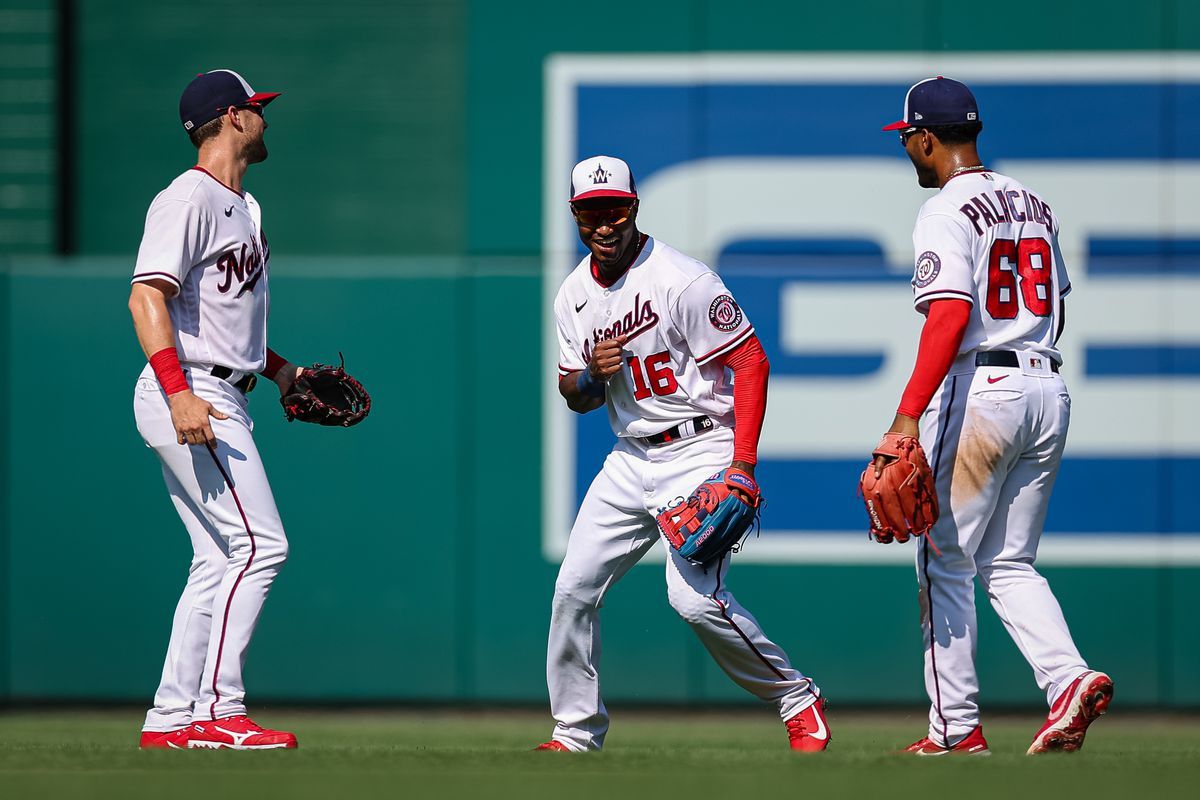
(165, 364)
(750, 371)
(275, 362)
(940, 340)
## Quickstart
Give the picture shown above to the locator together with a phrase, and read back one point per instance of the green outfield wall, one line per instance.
(403, 201)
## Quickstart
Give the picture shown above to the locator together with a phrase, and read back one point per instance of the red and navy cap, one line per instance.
(210, 93)
(937, 101)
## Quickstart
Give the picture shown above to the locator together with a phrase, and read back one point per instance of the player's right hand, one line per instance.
(190, 414)
(606, 358)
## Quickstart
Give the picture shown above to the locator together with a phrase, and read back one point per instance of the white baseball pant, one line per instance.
(223, 497)
(995, 438)
(614, 529)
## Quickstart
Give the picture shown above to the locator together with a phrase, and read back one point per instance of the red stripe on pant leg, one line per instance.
(738, 630)
(212, 711)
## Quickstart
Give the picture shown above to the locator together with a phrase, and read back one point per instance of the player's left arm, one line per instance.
(943, 290)
(751, 373)
(718, 332)
(941, 336)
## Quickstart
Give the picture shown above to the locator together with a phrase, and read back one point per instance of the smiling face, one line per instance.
(607, 226)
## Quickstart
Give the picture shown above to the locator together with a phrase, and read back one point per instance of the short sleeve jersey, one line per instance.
(206, 239)
(987, 239)
(679, 319)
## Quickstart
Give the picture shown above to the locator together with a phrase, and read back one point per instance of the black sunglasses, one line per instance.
(254, 108)
(907, 134)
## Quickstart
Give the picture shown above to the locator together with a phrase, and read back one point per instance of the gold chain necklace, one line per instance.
(954, 173)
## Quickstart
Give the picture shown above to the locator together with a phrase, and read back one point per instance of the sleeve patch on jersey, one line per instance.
(928, 267)
(724, 314)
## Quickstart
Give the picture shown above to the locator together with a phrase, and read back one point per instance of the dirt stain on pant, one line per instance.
(980, 448)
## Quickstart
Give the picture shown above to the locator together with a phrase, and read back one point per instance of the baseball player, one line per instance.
(987, 401)
(199, 302)
(655, 337)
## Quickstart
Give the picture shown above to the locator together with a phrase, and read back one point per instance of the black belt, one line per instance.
(1004, 358)
(699, 424)
(245, 385)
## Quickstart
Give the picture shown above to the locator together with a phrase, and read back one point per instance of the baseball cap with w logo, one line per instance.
(602, 176)
(210, 93)
(937, 101)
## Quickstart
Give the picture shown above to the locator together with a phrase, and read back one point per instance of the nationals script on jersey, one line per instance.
(207, 240)
(988, 239)
(678, 316)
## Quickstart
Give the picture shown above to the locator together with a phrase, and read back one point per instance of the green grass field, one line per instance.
(735, 754)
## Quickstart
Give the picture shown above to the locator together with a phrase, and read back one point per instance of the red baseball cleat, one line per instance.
(1080, 705)
(237, 733)
(808, 731)
(554, 745)
(172, 740)
(973, 744)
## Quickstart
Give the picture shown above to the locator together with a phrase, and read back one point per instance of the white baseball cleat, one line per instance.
(1083, 702)
(237, 733)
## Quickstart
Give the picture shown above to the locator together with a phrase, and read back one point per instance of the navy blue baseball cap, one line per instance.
(210, 93)
(937, 101)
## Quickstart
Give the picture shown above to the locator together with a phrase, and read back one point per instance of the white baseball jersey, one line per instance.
(995, 436)
(207, 240)
(987, 239)
(679, 318)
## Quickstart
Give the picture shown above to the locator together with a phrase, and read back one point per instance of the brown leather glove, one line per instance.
(902, 502)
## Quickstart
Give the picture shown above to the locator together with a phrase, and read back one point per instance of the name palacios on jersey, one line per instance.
(1006, 208)
(636, 322)
(246, 270)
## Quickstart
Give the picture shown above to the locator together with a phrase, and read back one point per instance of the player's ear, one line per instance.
(928, 140)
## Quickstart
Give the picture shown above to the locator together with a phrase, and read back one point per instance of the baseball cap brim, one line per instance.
(262, 98)
(604, 193)
(897, 125)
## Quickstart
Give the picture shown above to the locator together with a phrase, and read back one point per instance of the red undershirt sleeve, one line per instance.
(941, 337)
(750, 371)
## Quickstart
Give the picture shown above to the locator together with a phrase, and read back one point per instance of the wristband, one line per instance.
(588, 385)
(165, 364)
(275, 362)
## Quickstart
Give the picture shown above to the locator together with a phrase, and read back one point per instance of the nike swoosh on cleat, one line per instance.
(821, 732)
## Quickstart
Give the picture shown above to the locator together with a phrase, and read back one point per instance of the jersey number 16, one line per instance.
(657, 377)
